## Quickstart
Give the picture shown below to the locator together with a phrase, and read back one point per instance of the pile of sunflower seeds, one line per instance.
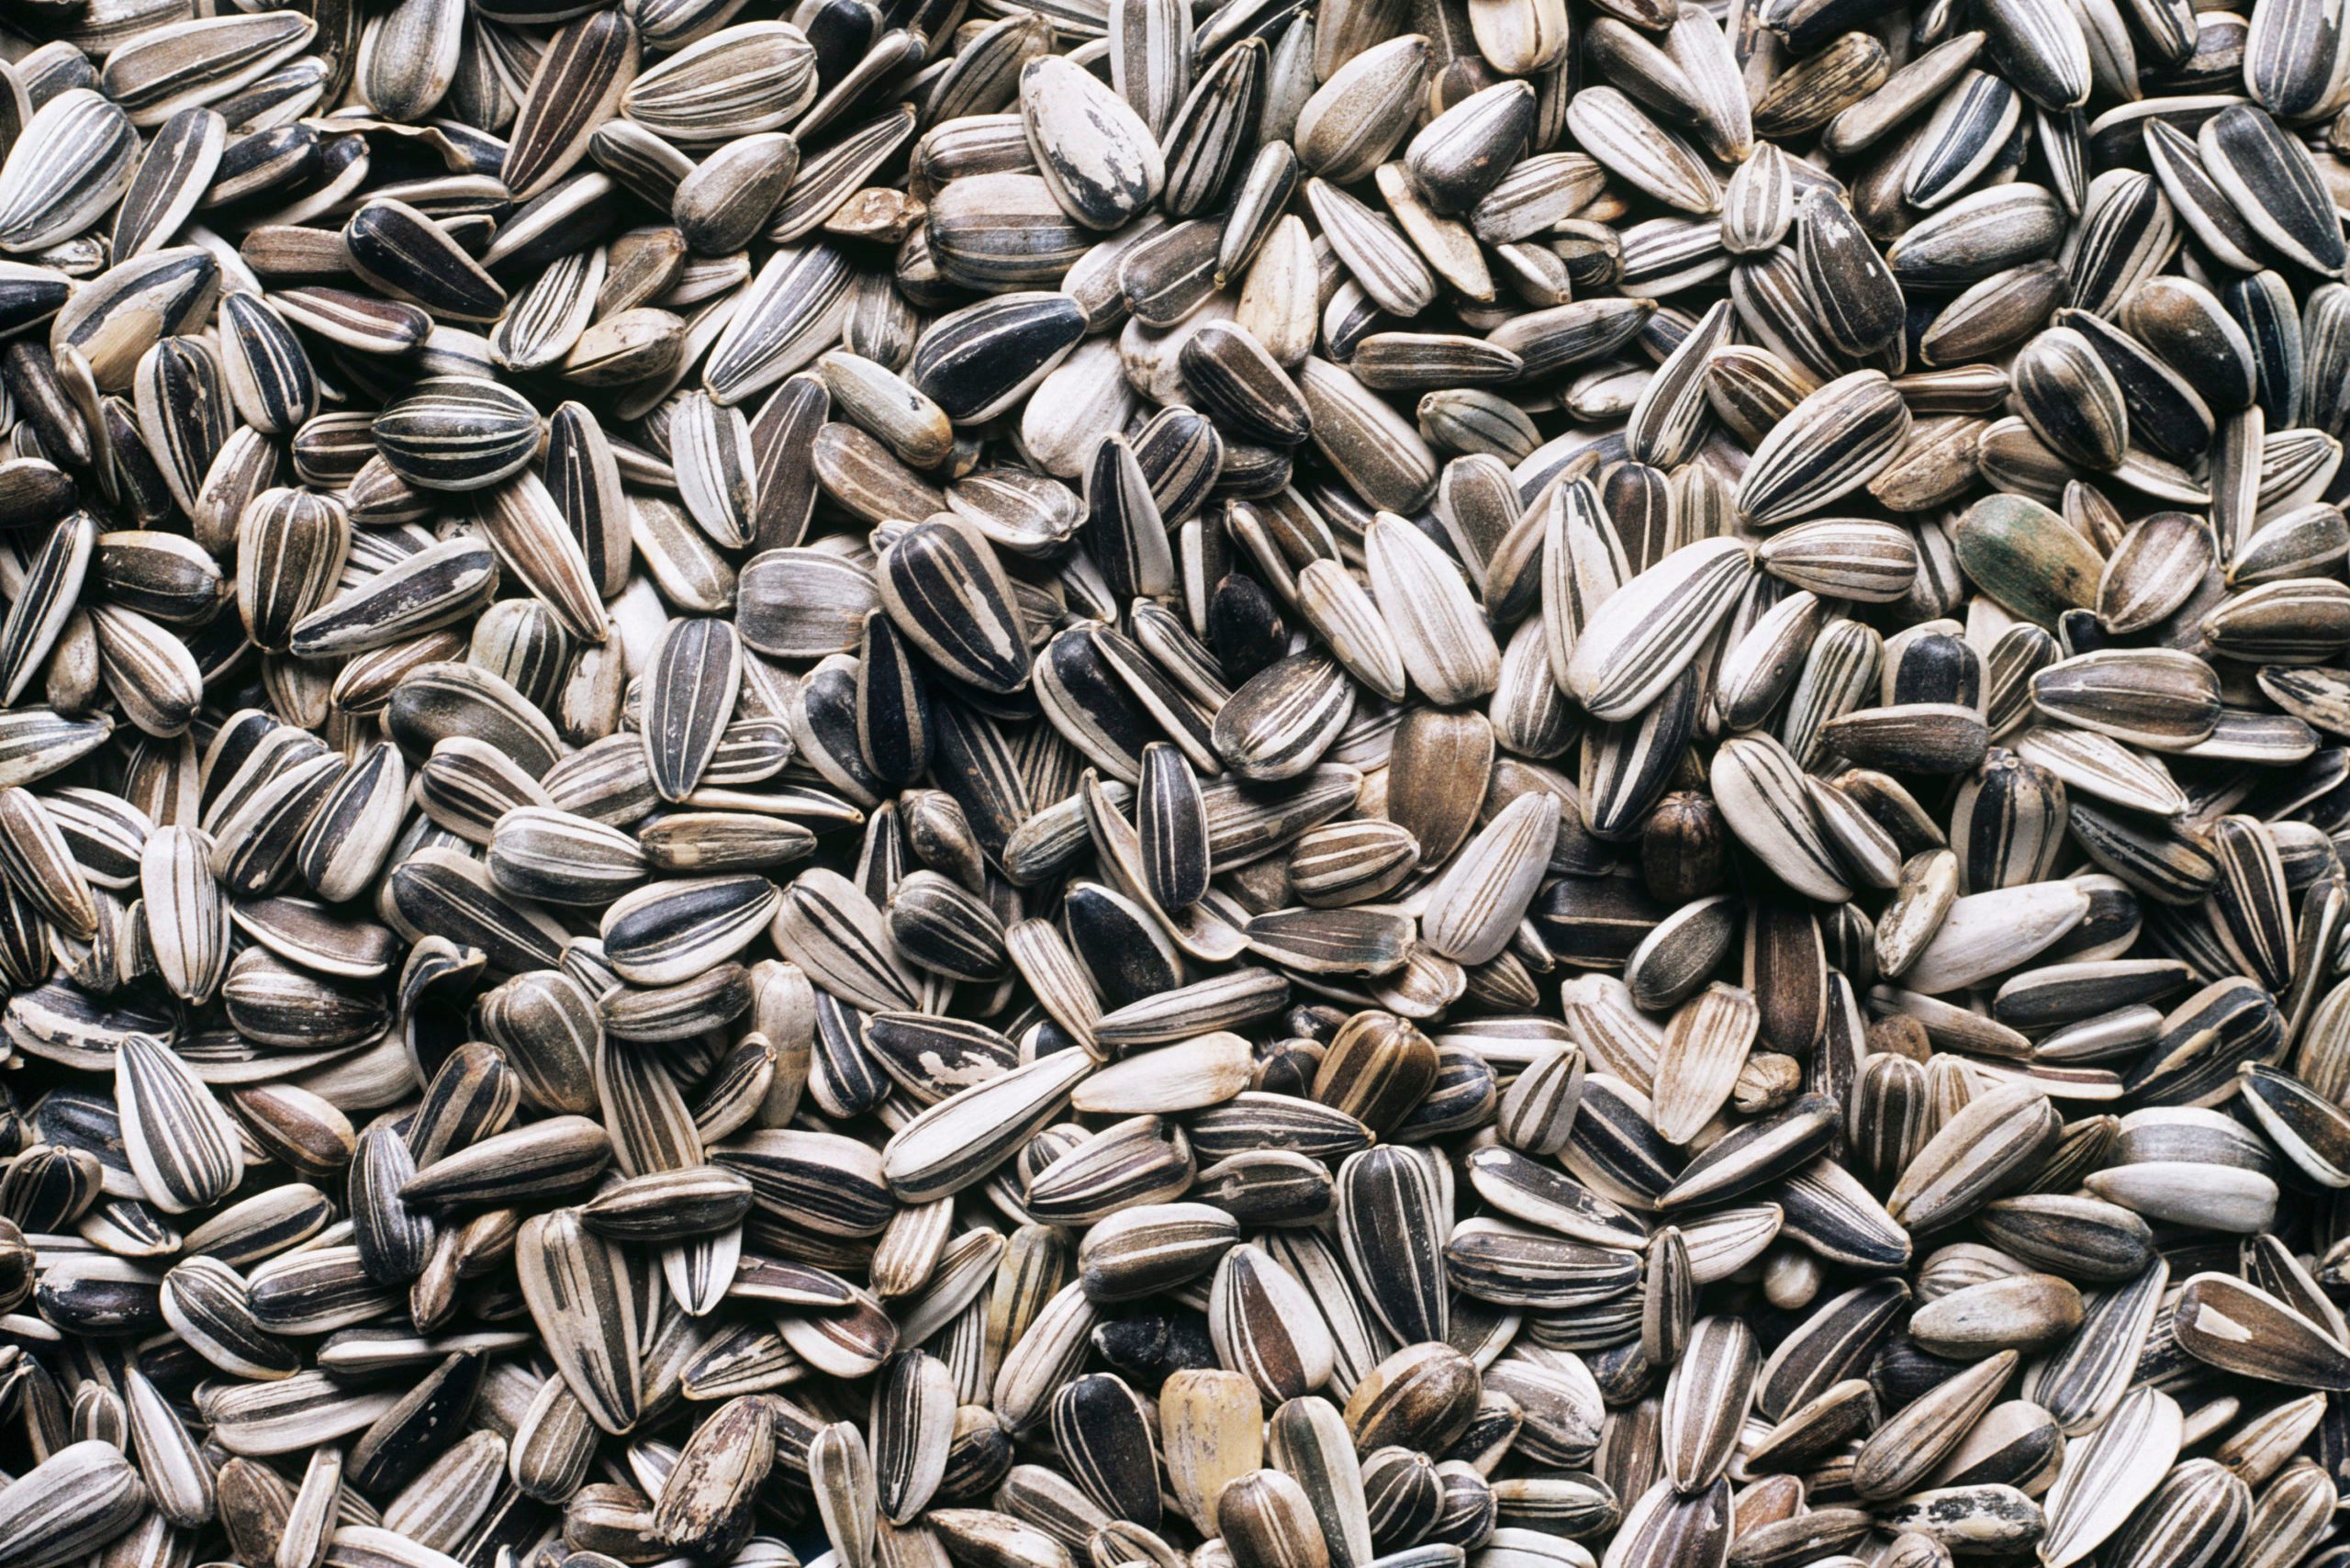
(1153, 784)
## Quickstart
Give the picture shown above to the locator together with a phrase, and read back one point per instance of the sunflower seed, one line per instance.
(1304, 667)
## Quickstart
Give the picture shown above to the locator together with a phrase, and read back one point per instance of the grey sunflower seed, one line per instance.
(2270, 180)
(71, 161)
(1832, 442)
(180, 1144)
(79, 1497)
